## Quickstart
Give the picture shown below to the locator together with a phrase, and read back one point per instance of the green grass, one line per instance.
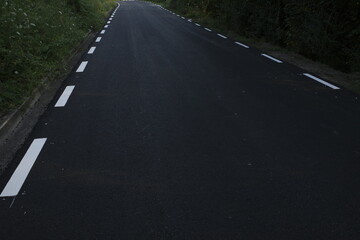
(36, 38)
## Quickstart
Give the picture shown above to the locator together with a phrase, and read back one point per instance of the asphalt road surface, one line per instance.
(167, 130)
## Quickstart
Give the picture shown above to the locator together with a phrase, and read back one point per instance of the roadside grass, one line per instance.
(36, 38)
(349, 80)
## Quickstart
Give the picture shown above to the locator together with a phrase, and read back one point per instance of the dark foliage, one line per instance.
(327, 30)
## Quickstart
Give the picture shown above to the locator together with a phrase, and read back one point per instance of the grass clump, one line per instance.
(36, 37)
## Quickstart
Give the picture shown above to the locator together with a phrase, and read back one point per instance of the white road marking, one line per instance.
(91, 50)
(110, 19)
(269, 57)
(18, 178)
(189, 20)
(106, 26)
(222, 36)
(64, 96)
(102, 32)
(209, 30)
(197, 24)
(82, 66)
(108, 22)
(98, 39)
(243, 45)
(321, 81)
(182, 17)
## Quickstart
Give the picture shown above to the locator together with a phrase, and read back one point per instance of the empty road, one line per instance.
(167, 129)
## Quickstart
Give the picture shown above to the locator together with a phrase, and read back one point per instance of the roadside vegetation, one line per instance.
(326, 31)
(36, 37)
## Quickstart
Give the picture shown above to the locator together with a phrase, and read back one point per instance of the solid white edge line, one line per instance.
(64, 96)
(102, 32)
(91, 50)
(18, 178)
(243, 45)
(222, 36)
(209, 30)
(321, 81)
(82, 66)
(98, 39)
(271, 58)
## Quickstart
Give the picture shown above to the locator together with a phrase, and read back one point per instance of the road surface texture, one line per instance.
(167, 130)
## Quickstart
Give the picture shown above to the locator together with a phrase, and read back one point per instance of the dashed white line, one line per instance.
(98, 39)
(321, 81)
(64, 96)
(108, 22)
(243, 45)
(182, 17)
(222, 36)
(82, 66)
(197, 24)
(106, 26)
(91, 50)
(18, 178)
(209, 30)
(189, 20)
(271, 58)
(102, 32)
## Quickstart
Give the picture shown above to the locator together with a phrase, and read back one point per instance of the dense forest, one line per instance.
(327, 31)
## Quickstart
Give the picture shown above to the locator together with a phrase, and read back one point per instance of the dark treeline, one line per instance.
(327, 30)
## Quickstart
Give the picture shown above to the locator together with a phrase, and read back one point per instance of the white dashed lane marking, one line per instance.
(321, 81)
(91, 50)
(82, 66)
(271, 58)
(18, 178)
(222, 36)
(243, 45)
(64, 96)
